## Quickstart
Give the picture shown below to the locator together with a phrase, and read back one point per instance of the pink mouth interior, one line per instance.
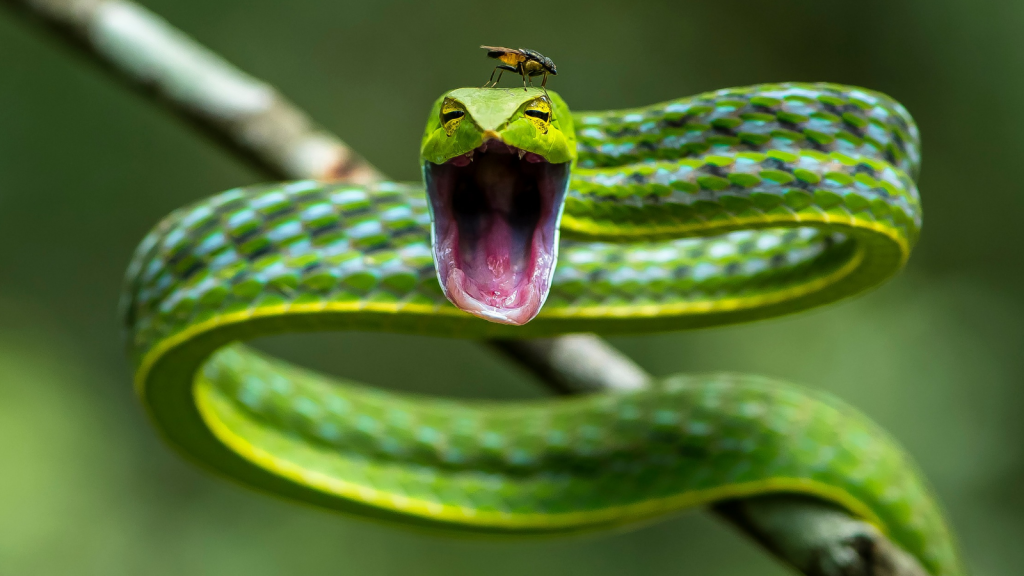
(496, 213)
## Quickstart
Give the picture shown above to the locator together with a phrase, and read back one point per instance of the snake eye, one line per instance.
(451, 115)
(539, 112)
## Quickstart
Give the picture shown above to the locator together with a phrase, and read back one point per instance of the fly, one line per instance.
(523, 61)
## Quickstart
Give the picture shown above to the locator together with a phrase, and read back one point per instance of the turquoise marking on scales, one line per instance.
(788, 117)
(730, 206)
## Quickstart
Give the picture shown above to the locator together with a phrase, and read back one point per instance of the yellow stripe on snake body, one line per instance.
(726, 207)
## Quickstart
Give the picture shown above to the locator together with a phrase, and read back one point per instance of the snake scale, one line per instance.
(726, 207)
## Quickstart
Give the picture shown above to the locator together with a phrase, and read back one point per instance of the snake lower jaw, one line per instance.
(495, 230)
(522, 305)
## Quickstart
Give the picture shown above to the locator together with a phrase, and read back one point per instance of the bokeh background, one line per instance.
(86, 168)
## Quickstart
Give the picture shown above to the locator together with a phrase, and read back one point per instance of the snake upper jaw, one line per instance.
(496, 212)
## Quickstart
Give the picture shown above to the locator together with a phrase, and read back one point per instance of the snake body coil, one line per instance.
(726, 207)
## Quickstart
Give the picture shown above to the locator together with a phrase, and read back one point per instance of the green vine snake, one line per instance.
(726, 207)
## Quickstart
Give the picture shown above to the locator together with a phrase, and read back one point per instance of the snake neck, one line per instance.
(497, 165)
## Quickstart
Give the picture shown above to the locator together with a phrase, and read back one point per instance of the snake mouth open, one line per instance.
(496, 212)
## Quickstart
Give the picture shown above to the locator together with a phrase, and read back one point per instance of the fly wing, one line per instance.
(497, 51)
(509, 56)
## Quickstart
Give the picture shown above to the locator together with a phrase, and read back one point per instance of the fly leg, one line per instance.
(491, 79)
(501, 67)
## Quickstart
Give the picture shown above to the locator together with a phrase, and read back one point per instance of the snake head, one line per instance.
(496, 165)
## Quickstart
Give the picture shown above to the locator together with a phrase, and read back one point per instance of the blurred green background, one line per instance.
(86, 168)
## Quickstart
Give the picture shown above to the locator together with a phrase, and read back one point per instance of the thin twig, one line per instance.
(254, 121)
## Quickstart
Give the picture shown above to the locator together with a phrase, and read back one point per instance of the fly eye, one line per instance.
(539, 114)
(452, 115)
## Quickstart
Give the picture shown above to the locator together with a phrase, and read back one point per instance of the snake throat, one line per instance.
(495, 229)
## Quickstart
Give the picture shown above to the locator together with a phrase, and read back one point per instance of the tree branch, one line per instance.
(575, 363)
(255, 122)
(818, 538)
(245, 114)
